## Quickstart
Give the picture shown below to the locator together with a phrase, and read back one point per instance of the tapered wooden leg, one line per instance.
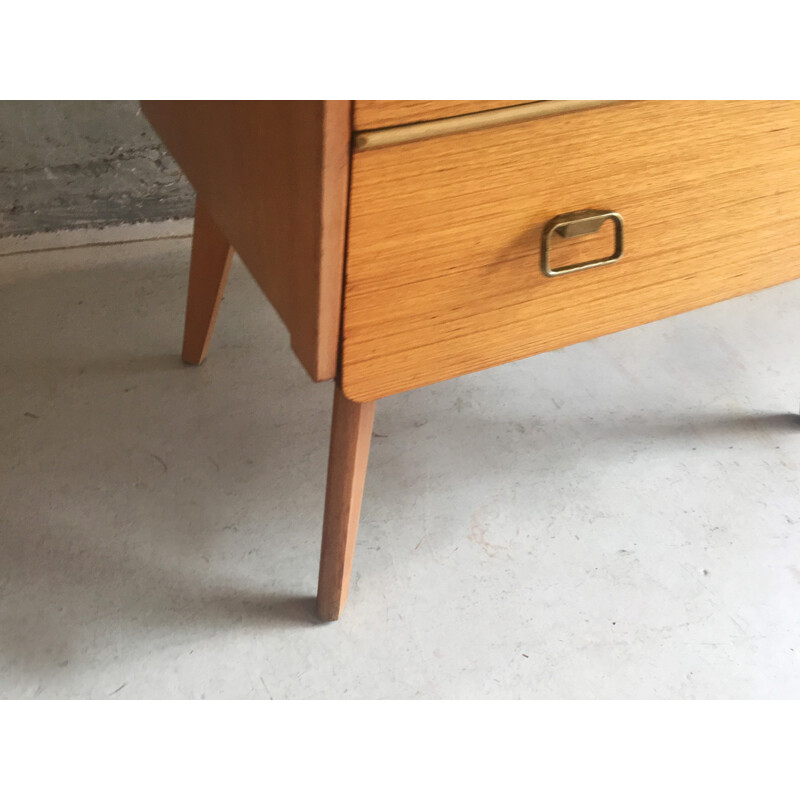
(351, 432)
(211, 260)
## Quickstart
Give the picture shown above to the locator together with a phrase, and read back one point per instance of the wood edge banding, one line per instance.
(337, 133)
(403, 134)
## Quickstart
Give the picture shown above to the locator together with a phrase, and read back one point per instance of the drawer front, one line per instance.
(443, 269)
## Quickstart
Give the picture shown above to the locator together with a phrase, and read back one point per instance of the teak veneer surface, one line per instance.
(273, 175)
(443, 274)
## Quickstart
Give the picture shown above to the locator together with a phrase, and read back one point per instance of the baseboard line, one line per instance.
(96, 237)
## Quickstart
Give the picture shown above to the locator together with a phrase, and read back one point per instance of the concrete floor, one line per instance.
(620, 519)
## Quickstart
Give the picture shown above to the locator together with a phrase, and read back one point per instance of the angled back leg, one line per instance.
(211, 261)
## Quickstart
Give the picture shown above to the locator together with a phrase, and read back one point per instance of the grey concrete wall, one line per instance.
(73, 164)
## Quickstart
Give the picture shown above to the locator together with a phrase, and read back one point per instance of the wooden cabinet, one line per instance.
(401, 241)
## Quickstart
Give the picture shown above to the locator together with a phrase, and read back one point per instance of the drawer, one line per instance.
(443, 271)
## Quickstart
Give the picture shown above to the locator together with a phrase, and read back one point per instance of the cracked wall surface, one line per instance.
(73, 164)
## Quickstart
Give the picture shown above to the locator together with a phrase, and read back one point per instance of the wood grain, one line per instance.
(274, 176)
(369, 114)
(443, 272)
(208, 272)
(351, 432)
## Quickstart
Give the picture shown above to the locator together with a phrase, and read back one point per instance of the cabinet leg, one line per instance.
(211, 260)
(351, 431)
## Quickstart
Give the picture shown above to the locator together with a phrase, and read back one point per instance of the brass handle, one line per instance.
(579, 223)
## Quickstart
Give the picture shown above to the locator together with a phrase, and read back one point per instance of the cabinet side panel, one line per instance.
(263, 170)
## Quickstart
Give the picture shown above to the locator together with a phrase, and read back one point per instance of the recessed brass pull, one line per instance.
(580, 223)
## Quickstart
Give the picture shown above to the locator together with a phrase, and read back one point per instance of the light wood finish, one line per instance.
(446, 213)
(472, 122)
(351, 431)
(370, 114)
(274, 176)
(443, 272)
(208, 272)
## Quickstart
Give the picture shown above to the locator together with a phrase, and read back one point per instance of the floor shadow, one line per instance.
(142, 496)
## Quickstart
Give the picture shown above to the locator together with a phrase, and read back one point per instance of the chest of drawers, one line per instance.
(407, 242)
